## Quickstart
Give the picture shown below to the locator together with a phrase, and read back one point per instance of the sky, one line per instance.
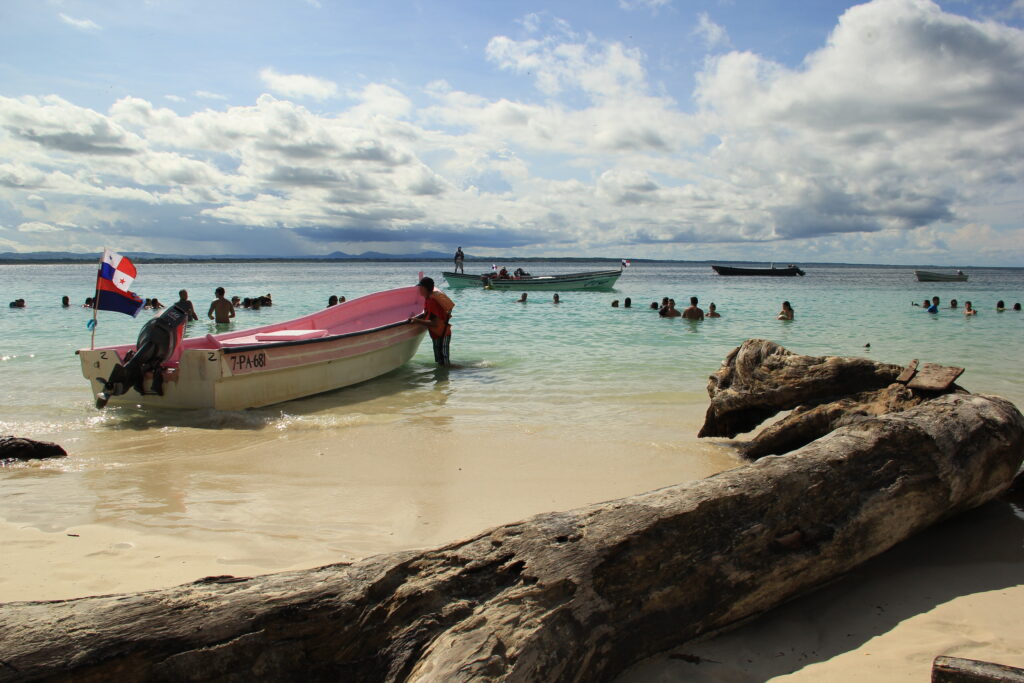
(890, 131)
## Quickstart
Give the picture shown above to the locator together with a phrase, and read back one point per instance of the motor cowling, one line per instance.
(157, 342)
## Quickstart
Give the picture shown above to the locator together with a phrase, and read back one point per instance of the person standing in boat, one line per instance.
(221, 307)
(435, 318)
(459, 258)
(186, 305)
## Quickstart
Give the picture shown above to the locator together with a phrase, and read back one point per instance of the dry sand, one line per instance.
(956, 589)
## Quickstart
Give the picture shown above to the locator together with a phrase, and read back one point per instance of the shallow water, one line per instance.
(550, 406)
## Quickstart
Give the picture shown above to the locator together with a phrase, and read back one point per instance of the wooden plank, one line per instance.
(958, 670)
(934, 377)
(908, 372)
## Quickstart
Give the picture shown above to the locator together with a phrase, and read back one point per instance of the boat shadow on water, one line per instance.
(410, 388)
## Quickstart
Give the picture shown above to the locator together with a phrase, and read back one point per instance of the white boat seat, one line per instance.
(290, 335)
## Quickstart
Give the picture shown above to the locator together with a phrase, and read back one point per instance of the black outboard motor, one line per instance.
(157, 341)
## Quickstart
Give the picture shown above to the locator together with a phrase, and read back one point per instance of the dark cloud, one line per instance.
(467, 237)
(637, 139)
(377, 214)
(428, 185)
(80, 144)
(309, 150)
(102, 138)
(832, 211)
(8, 178)
(303, 177)
(372, 150)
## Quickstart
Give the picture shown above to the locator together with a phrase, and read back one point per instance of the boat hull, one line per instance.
(769, 272)
(236, 370)
(928, 276)
(459, 280)
(598, 281)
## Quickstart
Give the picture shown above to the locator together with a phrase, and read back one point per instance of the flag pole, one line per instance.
(95, 303)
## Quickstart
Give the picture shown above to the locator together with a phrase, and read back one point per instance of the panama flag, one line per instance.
(118, 269)
(625, 263)
(115, 277)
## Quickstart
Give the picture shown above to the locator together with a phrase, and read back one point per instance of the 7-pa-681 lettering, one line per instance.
(248, 361)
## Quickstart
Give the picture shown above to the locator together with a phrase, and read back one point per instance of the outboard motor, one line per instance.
(156, 344)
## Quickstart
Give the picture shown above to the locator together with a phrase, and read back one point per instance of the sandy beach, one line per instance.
(955, 589)
(181, 505)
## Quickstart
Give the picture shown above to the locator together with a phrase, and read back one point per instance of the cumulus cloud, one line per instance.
(54, 123)
(298, 85)
(713, 35)
(207, 95)
(901, 137)
(80, 24)
(653, 5)
(596, 68)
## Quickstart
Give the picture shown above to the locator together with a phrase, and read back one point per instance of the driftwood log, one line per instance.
(17, 448)
(759, 379)
(576, 595)
(959, 670)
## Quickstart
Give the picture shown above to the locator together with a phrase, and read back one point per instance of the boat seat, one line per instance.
(289, 335)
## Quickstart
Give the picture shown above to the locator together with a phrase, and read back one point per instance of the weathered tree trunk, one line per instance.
(805, 424)
(17, 448)
(959, 670)
(576, 595)
(759, 378)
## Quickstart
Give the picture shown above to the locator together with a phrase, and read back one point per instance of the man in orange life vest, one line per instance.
(435, 318)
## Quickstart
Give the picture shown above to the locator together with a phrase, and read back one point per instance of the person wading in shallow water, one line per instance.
(186, 305)
(221, 307)
(435, 318)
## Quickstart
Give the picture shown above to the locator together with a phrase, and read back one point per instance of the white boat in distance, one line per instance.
(336, 347)
(567, 282)
(931, 276)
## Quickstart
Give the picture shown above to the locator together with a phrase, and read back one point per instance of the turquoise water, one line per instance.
(550, 407)
(580, 362)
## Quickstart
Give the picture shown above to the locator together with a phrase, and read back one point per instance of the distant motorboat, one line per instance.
(788, 271)
(566, 282)
(932, 276)
(336, 347)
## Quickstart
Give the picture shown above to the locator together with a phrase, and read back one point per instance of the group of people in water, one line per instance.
(932, 306)
(221, 310)
(668, 309)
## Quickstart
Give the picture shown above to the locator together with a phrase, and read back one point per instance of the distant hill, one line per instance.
(150, 257)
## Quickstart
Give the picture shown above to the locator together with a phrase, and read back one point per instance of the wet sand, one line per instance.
(166, 506)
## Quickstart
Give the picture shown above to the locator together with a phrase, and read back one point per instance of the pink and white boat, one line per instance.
(332, 348)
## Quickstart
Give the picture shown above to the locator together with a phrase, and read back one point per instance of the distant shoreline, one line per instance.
(29, 259)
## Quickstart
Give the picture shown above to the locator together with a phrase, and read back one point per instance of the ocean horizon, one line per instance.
(43, 258)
